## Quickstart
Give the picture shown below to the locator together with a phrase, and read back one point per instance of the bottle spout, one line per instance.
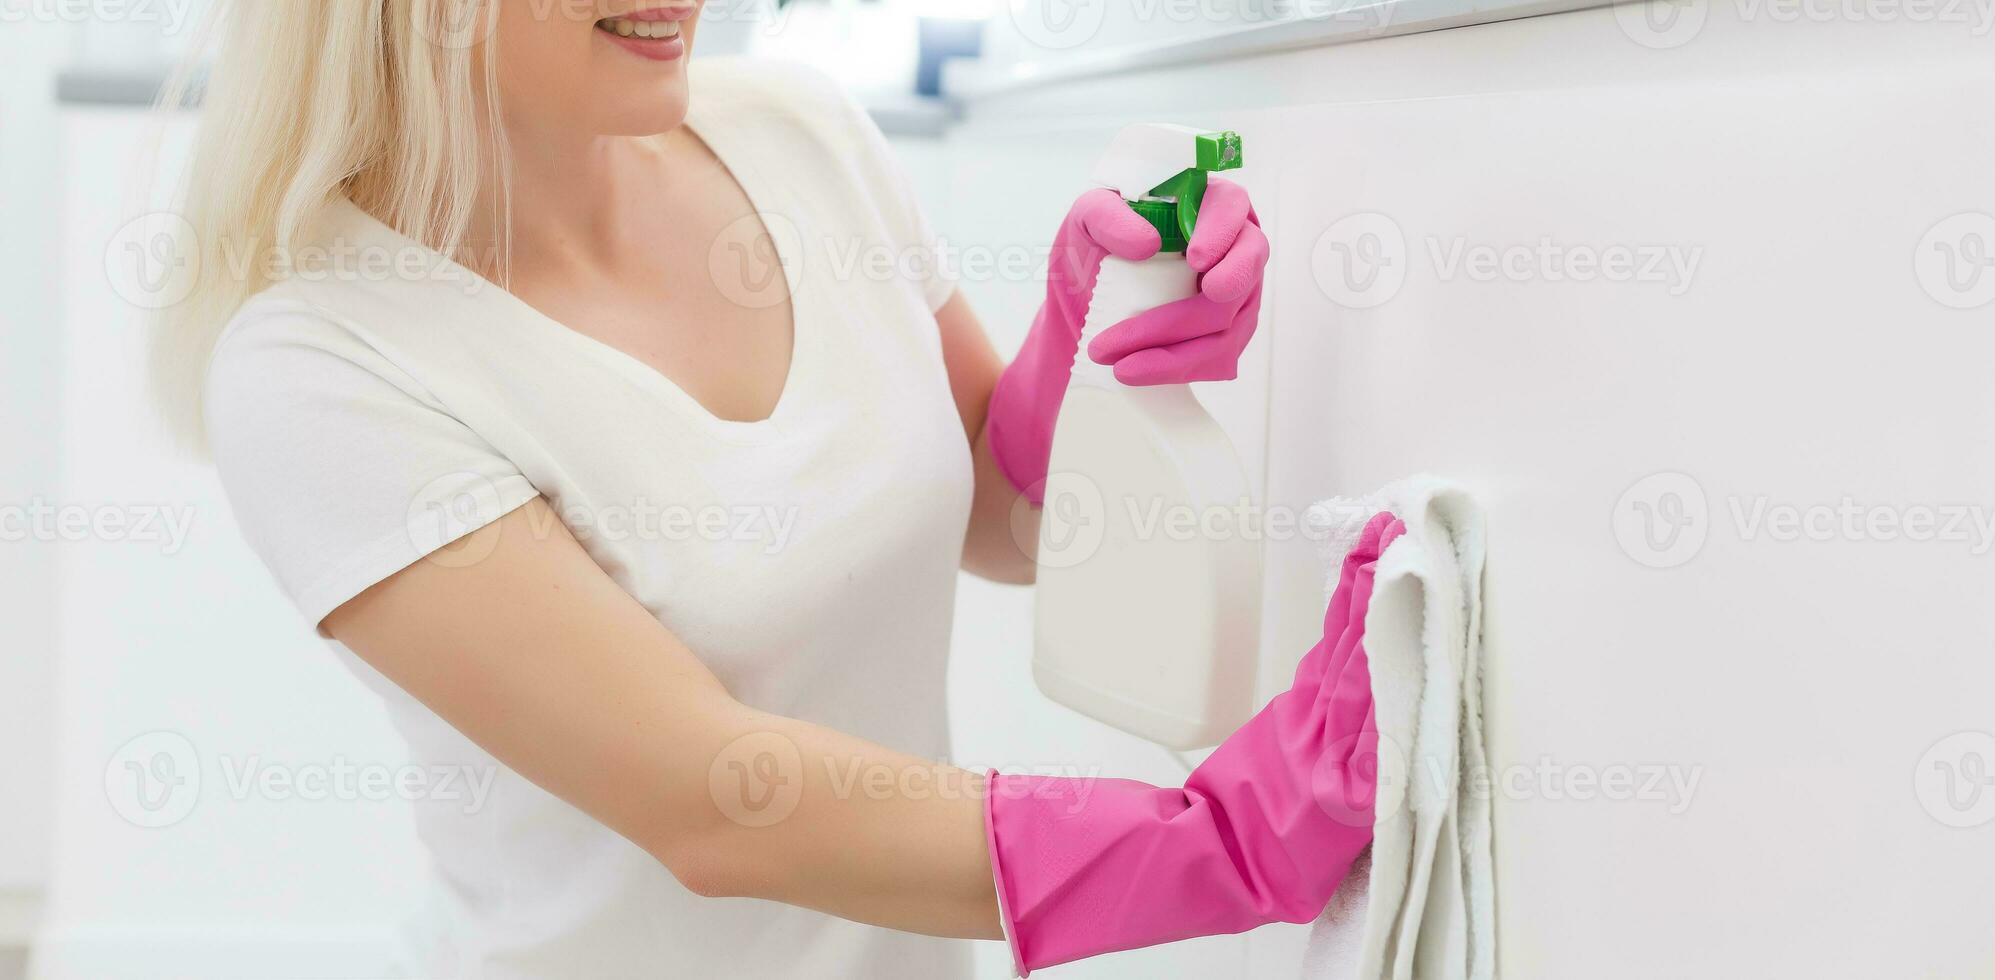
(1160, 163)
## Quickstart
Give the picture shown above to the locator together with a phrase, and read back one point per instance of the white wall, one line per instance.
(29, 392)
(180, 658)
(38, 41)
(1811, 359)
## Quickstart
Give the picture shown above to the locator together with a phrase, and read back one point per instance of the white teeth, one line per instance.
(649, 29)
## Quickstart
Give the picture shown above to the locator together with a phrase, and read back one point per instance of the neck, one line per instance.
(573, 200)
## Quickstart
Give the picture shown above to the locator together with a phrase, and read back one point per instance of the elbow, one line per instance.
(721, 866)
(706, 882)
(705, 871)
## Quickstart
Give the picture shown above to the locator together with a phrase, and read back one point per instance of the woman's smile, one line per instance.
(652, 34)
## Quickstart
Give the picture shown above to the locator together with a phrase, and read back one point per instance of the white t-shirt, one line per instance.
(369, 411)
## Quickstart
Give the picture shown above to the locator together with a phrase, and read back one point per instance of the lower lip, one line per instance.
(654, 48)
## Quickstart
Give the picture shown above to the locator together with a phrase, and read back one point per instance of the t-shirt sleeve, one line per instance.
(339, 467)
(892, 191)
(904, 212)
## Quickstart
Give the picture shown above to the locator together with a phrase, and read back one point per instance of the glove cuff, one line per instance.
(992, 781)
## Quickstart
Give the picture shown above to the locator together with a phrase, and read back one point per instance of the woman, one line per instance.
(664, 532)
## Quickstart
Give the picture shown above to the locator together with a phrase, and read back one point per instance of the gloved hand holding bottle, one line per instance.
(1198, 338)
(1267, 827)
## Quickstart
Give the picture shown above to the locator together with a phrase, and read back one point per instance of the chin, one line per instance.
(652, 99)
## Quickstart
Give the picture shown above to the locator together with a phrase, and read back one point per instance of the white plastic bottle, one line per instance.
(1147, 608)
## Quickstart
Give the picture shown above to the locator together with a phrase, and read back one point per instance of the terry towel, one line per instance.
(1422, 906)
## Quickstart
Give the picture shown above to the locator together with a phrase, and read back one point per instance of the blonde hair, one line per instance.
(307, 100)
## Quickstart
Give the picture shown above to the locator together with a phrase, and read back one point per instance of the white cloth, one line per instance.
(364, 417)
(1422, 907)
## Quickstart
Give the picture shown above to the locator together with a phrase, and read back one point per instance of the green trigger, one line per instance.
(1211, 152)
(1188, 189)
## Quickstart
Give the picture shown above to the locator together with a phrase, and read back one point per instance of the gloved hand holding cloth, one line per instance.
(1263, 831)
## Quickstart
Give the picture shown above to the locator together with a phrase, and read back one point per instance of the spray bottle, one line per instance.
(1139, 622)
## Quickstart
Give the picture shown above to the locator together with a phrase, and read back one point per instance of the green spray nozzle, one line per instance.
(1146, 164)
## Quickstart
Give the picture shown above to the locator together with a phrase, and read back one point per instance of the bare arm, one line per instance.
(1003, 533)
(536, 655)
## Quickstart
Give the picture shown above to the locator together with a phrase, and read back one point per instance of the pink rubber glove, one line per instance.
(1263, 831)
(1198, 338)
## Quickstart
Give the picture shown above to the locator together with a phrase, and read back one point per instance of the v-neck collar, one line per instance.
(802, 323)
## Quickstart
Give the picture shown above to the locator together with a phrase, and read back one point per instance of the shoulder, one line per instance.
(282, 358)
(784, 95)
(277, 328)
(281, 314)
(333, 457)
